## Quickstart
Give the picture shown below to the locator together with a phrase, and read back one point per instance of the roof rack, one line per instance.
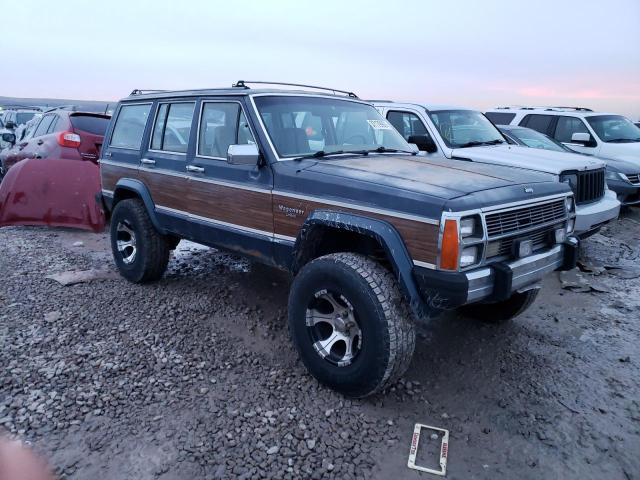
(243, 84)
(142, 91)
(577, 109)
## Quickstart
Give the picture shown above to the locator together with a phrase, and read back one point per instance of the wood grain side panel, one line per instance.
(110, 174)
(420, 238)
(231, 205)
(166, 190)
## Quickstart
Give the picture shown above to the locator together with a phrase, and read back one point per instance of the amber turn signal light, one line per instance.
(449, 252)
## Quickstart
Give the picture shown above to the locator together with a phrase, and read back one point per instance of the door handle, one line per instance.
(193, 168)
(108, 154)
(148, 161)
(40, 142)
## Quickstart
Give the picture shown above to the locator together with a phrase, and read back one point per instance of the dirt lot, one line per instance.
(194, 376)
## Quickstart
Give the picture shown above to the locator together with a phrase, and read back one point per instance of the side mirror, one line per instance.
(243, 155)
(583, 139)
(9, 138)
(10, 125)
(424, 143)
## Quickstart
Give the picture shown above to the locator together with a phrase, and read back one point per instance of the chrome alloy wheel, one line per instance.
(333, 328)
(126, 242)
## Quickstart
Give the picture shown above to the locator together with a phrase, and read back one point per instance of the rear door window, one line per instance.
(55, 126)
(44, 125)
(129, 127)
(172, 127)
(90, 124)
(500, 118)
(567, 126)
(540, 123)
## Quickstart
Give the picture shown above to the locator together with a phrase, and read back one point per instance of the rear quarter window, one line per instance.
(537, 122)
(129, 127)
(500, 118)
(90, 123)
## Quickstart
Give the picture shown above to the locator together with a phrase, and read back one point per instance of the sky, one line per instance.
(472, 53)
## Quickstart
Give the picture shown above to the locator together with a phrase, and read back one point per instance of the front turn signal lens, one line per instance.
(450, 246)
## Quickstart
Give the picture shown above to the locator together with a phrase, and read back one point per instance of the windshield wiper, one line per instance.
(319, 154)
(623, 140)
(383, 149)
(476, 143)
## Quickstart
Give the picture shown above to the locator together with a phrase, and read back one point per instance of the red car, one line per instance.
(52, 176)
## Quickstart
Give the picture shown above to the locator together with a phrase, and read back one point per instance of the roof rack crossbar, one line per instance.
(142, 91)
(243, 84)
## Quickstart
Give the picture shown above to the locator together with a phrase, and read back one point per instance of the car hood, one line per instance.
(442, 177)
(528, 158)
(629, 152)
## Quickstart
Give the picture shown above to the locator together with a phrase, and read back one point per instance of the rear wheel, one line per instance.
(350, 324)
(500, 312)
(141, 253)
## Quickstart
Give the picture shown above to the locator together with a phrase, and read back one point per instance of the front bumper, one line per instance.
(627, 193)
(498, 281)
(593, 215)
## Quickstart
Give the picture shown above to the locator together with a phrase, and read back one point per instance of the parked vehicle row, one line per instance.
(385, 213)
(459, 133)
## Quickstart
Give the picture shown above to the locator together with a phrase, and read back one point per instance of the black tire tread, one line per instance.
(157, 252)
(396, 311)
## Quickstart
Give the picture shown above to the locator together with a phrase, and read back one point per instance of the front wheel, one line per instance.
(350, 324)
(141, 252)
(501, 312)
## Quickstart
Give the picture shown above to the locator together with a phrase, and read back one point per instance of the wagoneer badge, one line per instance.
(528, 189)
(290, 211)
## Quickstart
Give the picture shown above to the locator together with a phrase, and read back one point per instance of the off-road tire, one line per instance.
(501, 312)
(386, 323)
(153, 248)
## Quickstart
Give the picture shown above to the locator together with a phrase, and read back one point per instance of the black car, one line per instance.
(622, 177)
(321, 185)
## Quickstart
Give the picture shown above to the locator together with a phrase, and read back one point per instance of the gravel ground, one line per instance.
(194, 376)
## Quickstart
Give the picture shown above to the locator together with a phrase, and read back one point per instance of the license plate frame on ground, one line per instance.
(444, 450)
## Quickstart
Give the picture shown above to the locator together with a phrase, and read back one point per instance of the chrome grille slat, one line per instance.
(590, 186)
(633, 178)
(513, 221)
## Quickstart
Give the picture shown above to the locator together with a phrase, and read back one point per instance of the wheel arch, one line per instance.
(131, 188)
(313, 241)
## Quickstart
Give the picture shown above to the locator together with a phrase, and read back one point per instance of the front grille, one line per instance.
(590, 186)
(516, 220)
(541, 238)
(633, 178)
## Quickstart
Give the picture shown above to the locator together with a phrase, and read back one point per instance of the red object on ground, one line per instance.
(52, 192)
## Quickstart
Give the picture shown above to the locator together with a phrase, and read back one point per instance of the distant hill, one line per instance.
(82, 105)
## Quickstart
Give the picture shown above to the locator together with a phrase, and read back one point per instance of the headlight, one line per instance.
(611, 175)
(470, 227)
(571, 179)
(469, 256)
(571, 225)
(467, 227)
(569, 203)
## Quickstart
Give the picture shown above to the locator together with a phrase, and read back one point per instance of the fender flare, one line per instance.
(379, 230)
(139, 188)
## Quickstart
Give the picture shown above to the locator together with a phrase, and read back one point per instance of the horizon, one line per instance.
(471, 55)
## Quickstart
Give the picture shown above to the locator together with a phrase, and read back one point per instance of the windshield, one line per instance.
(614, 128)
(304, 125)
(465, 128)
(534, 139)
(24, 117)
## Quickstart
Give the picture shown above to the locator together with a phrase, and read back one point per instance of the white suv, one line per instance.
(606, 135)
(465, 134)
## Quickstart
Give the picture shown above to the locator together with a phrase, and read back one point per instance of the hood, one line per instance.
(629, 152)
(528, 158)
(623, 166)
(441, 177)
